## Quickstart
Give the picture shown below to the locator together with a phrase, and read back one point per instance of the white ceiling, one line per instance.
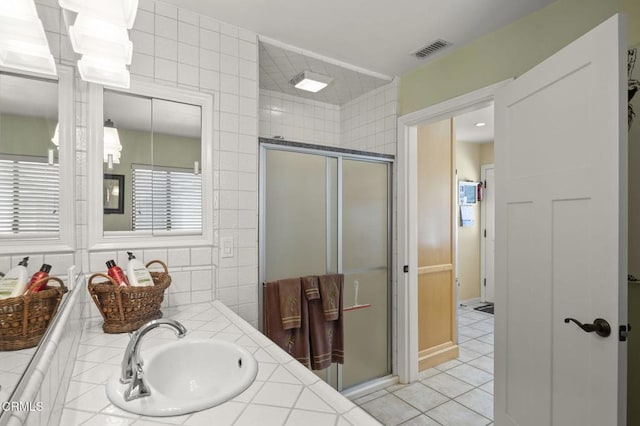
(466, 129)
(377, 35)
(278, 66)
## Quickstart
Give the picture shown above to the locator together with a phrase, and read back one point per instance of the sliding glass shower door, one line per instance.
(365, 265)
(325, 212)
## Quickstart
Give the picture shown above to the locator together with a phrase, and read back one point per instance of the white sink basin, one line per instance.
(188, 375)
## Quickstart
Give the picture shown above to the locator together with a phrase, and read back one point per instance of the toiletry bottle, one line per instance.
(117, 273)
(42, 273)
(14, 283)
(136, 271)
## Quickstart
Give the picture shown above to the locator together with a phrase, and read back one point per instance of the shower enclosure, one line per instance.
(328, 210)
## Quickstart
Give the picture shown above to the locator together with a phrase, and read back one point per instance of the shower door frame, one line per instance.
(339, 154)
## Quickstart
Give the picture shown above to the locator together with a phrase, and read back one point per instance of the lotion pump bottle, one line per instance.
(117, 274)
(138, 274)
(14, 283)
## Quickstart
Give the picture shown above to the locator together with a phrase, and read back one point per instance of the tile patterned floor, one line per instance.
(456, 393)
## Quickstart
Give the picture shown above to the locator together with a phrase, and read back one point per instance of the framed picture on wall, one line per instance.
(113, 194)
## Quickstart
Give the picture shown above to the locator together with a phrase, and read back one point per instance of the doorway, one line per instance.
(407, 196)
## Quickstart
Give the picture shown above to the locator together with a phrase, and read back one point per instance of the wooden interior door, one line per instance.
(437, 341)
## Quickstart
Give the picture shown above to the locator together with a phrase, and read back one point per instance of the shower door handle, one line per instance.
(600, 326)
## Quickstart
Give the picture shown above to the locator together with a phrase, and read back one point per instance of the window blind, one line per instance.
(29, 196)
(166, 199)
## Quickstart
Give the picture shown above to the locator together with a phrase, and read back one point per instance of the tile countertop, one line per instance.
(284, 392)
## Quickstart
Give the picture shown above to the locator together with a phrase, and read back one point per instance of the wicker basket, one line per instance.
(125, 309)
(24, 319)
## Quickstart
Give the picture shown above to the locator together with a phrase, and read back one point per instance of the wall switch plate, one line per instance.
(226, 247)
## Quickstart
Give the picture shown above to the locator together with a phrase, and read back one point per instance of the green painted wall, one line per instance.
(510, 51)
(23, 135)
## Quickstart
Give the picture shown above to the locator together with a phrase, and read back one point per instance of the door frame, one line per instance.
(407, 299)
(483, 226)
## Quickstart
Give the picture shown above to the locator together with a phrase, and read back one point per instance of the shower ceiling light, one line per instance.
(311, 81)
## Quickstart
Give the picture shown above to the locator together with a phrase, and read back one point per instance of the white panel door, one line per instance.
(561, 236)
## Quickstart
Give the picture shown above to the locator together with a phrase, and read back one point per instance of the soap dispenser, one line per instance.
(138, 274)
(14, 283)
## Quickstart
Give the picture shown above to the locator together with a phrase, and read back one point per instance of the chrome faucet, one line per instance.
(131, 367)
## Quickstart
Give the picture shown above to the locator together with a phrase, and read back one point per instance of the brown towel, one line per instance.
(310, 287)
(327, 337)
(331, 294)
(294, 341)
(290, 292)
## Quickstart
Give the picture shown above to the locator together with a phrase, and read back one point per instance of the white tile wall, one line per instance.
(298, 119)
(180, 48)
(369, 122)
(177, 47)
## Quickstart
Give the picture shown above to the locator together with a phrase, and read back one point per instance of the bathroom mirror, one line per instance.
(36, 163)
(150, 163)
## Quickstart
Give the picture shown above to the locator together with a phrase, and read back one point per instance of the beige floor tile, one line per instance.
(477, 346)
(390, 410)
(421, 420)
(447, 385)
(483, 363)
(471, 375)
(454, 414)
(421, 397)
(487, 387)
(479, 401)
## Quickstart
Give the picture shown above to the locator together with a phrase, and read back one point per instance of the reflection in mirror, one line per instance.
(152, 156)
(29, 166)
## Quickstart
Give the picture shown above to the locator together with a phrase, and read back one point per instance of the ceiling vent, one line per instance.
(431, 48)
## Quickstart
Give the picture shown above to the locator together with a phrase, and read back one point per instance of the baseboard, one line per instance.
(443, 353)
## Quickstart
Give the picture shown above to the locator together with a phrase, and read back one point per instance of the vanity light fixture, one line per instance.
(99, 34)
(480, 124)
(311, 81)
(91, 36)
(119, 12)
(112, 146)
(23, 43)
